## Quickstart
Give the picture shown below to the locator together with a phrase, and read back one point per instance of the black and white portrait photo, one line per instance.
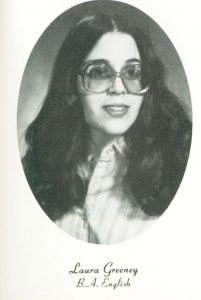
(104, 122)
(100, 150)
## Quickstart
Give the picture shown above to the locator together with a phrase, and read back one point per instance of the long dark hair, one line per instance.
(158, 142)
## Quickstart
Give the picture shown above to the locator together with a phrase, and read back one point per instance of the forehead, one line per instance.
(116, 48)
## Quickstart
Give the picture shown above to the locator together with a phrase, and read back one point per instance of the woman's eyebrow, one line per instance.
(108, 62)
(133, 60)
(95, 61)
(105, 61)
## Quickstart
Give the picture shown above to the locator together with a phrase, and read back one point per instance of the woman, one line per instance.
(109, 147)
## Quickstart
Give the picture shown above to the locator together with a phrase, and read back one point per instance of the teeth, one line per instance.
(116, 110)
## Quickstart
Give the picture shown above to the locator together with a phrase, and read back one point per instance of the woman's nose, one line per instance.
(117, 87)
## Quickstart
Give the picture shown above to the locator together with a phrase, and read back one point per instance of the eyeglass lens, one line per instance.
(100, 77)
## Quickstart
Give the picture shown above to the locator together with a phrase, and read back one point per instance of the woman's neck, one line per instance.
(99, 140)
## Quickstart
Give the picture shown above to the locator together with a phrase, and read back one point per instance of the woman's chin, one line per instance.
(116, 131)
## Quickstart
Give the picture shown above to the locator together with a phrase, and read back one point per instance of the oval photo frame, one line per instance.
(111, 191)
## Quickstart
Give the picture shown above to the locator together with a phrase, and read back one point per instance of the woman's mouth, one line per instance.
(116, 110)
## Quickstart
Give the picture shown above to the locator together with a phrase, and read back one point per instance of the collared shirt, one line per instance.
(109, 215)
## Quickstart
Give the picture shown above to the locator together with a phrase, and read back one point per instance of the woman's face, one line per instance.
(113, 111)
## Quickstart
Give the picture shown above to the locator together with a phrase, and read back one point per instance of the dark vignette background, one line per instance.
(38, 70)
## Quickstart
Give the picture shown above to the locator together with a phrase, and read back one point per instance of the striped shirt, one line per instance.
(109, 215)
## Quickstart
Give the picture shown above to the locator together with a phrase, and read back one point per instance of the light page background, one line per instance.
(35, 255)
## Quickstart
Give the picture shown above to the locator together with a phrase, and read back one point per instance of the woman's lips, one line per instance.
(116, 110)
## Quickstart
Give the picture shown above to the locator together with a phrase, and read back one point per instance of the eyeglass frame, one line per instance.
(115, 74)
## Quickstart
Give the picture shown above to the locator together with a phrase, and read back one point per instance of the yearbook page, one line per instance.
(100, 180)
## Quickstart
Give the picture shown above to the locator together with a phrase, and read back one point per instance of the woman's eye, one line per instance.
(132, 72)
(98, 72)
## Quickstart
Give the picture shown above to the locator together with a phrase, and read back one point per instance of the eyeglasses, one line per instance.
(99, 77)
